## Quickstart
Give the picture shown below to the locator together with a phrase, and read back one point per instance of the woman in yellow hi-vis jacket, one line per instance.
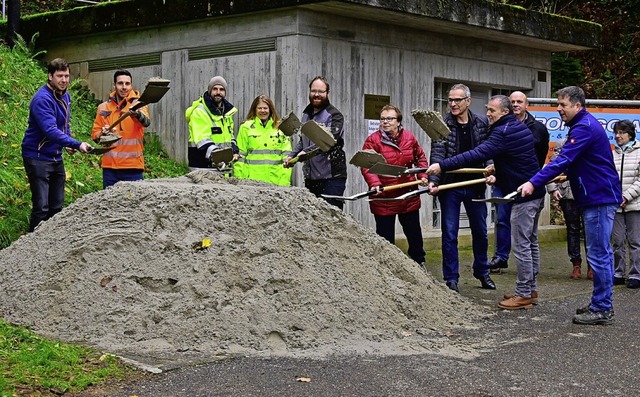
(262, 146)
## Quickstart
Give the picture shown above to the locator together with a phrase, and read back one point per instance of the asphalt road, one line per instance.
(540, 353)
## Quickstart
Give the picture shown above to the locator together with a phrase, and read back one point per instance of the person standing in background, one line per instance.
(502, 229)
(126, 161)
(587, 161)
(468, 130)
(211, 126)
(49, 131)
(399, 147)
(262, 146)
(325, 173)
(626, 224)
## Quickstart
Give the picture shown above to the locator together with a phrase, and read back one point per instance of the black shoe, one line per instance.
(619, 281)
(594, 318)
(453, 285)
(587, 309)
(633, 283)
(497, 263)
(487, 282)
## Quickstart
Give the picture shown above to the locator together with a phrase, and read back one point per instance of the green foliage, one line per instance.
(566, 71)
(21, 75)
(612, 71)
(38, 366)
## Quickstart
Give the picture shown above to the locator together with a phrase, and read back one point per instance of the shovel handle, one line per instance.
(461, 184)
(137, 106)
(399, 186)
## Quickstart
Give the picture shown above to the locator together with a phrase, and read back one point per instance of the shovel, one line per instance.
(418, 192)
(431, 122)
(512, 196)
(499, 200)
(319, 135)
(396, 170)
(153, 92)
(290, 124)
(372, 191)
(100, 150)
(367, 158)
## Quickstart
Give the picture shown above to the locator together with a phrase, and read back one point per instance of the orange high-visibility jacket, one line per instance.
(128, 153)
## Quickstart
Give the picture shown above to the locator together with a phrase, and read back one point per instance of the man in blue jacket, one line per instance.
(511, 146)
(502, 228)
(47, 133)
(587, 160)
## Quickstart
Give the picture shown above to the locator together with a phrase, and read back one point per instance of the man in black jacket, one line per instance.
(467, 132)
(510, 145)
(502, 229)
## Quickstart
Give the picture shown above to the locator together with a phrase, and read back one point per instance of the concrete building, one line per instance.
(372, 51)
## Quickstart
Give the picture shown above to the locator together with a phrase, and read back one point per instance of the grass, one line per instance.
(35, 366)
(31, 365)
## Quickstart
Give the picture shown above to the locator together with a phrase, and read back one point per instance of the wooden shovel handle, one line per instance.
(400, 185)
(137, 106)
(461, 184)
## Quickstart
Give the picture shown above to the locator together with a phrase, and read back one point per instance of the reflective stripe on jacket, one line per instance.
(262, 149)
(129, 151)
(207, 131)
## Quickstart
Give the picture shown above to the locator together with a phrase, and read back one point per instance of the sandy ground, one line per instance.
(286, 275)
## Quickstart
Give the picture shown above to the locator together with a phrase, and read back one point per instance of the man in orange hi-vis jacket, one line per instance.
(126, 161)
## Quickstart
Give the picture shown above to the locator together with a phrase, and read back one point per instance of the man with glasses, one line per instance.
(324, 173)
(468, 130)
(587, 160)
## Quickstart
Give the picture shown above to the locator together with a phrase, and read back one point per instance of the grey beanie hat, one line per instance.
(217, 80)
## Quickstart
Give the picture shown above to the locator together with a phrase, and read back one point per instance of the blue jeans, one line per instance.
(502, 229)
(450, 201)
(334, 187)
(410, 222)
(111, 176)
(598, 224)
(46, 181)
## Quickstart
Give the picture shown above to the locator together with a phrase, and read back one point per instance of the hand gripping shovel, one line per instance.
(418, 192)
(372, 191)
(153, 92)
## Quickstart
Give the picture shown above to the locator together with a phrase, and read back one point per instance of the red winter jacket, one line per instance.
(404, 151)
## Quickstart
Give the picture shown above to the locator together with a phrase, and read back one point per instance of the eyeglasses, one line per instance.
(457, 100)
(387, 119)
(318, 92)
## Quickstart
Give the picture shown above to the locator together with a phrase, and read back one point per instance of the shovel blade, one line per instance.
(350, 198)
(318, 135)
(387, 169)
(154, 91)
(290, 124)
(367, 159)
(432, 123)
(221, 156)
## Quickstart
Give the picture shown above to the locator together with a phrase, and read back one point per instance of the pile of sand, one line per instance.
(286, 274)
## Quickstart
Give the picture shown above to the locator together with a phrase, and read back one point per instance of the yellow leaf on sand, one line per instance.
(303, 379)
(206, 243)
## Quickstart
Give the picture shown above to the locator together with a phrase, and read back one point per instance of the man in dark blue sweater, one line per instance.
(587, 160)
(511, 146)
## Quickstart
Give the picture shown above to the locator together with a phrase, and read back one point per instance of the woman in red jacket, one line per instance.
(399, 147)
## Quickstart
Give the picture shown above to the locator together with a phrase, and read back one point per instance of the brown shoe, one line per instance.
(576, 274)
(516, 302)
(590, 273)
(534, 296)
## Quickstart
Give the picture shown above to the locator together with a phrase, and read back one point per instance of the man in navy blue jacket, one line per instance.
(511, 146)
(587, 160)
(47, 133)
